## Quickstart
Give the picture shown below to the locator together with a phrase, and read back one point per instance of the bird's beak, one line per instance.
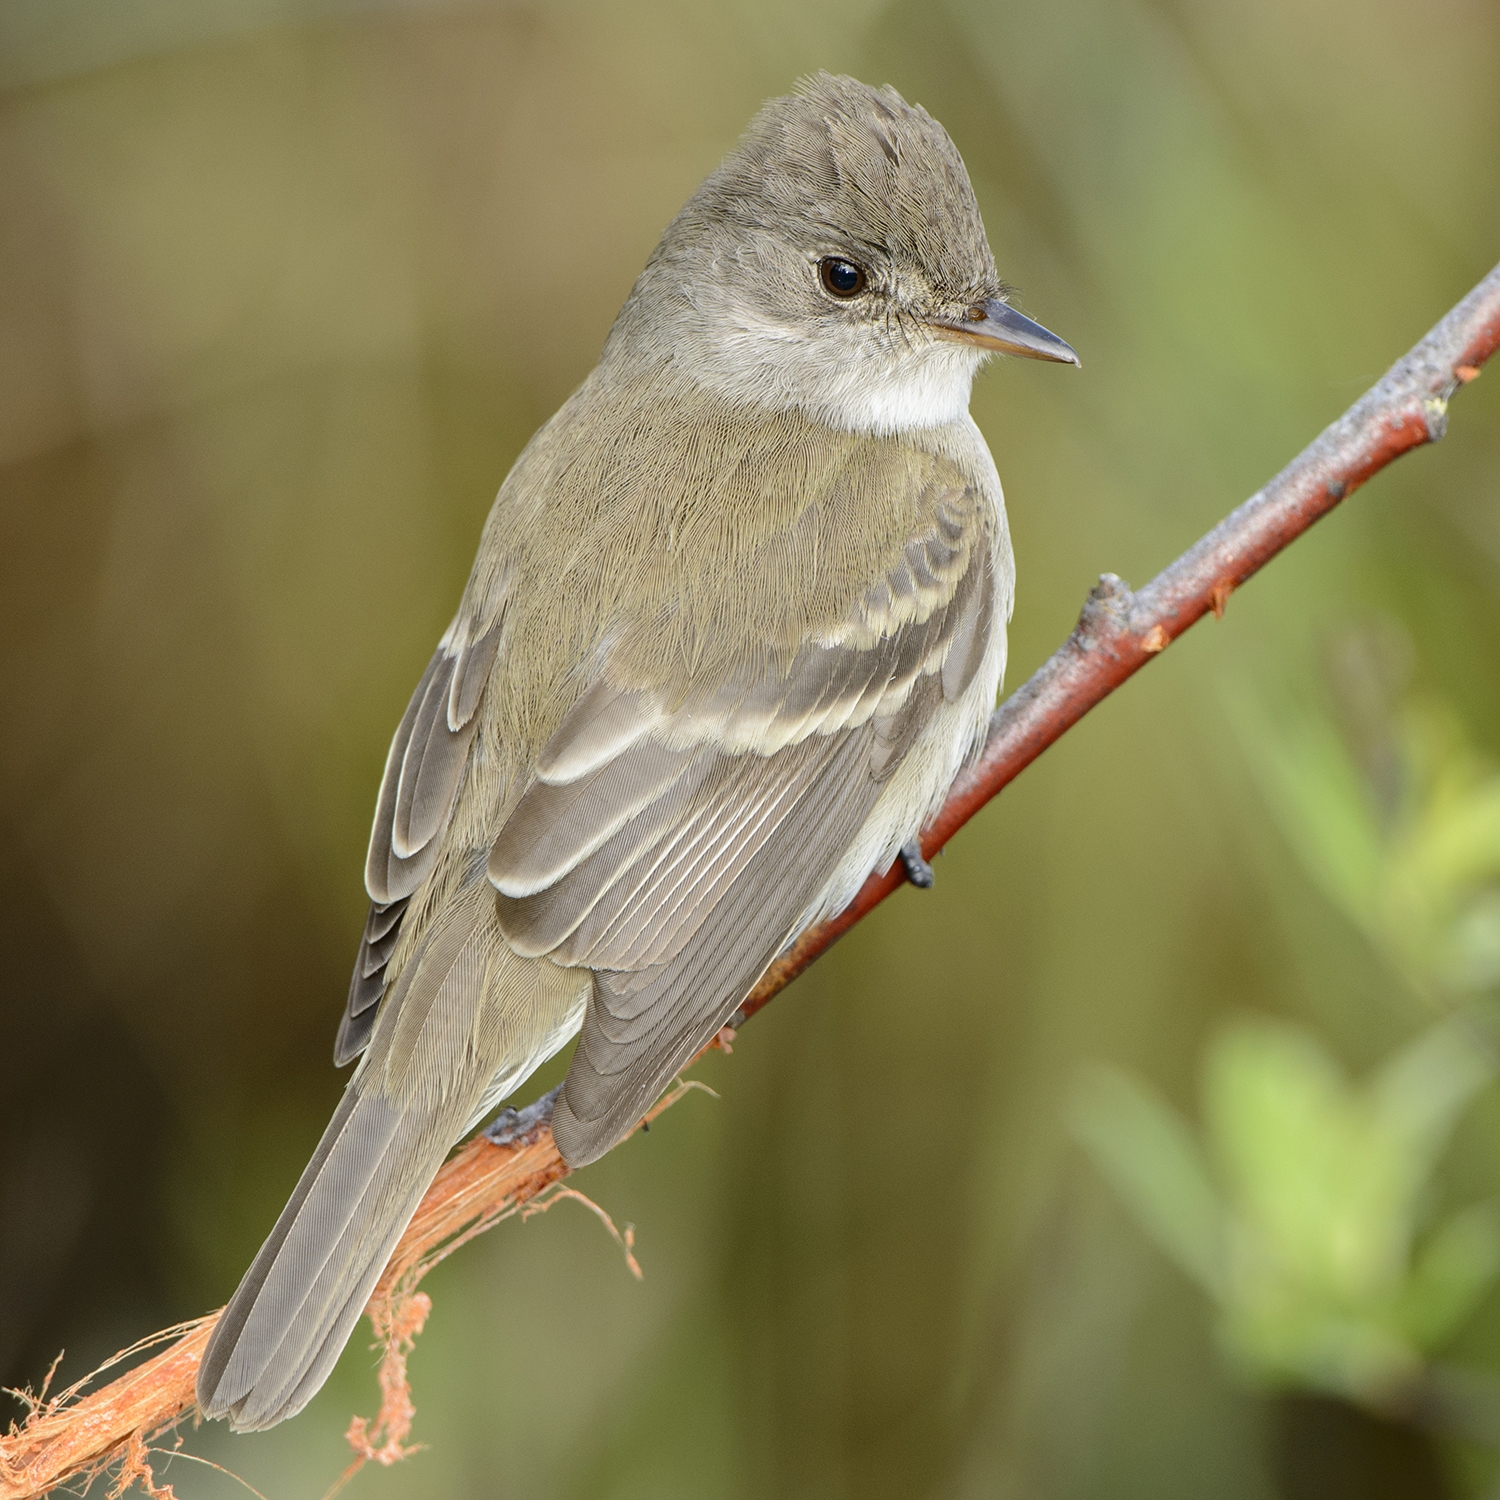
(996, 325)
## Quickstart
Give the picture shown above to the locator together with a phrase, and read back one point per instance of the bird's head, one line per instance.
(835, 262)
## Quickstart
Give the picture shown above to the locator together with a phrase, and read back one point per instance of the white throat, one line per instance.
(854, 385)
(865, 390)
(922, 390)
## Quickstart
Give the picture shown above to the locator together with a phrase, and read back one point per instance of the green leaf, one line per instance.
(1421, 1092)
(1147, 1153)
(1320, 802)
(1418, 879)
(1314, 1347)
(1457, 1266)
(1318, 1199)
(1308, 1247)
(1471, 962)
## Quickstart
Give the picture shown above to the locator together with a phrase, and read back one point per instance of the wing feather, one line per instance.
(561, 824)
(543, 922)
(385, 879)
(971, 636)
(640, 1029)
(422, 773)
(674, 842)
(471, 673)
(604, 722)
(429, 770)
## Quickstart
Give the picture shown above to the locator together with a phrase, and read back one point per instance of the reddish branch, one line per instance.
(1117, 634)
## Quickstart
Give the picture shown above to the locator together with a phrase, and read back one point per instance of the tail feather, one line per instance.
(320, 1362)
(466, 1019)
(232, 1320)
(318, 1325)
(332, 1238)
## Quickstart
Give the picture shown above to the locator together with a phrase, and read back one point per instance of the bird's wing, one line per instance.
(674, 839)
(422, 774)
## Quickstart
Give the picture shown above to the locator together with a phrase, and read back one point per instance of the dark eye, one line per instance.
(841, 277)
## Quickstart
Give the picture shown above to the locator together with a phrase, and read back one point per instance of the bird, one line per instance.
(736, 620)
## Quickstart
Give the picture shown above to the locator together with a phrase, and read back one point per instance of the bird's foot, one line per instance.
(513, 1127)
(918, 871)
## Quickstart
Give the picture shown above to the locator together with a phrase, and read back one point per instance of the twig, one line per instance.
(1117, 634)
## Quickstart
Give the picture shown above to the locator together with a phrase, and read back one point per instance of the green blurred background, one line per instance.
(284, 288)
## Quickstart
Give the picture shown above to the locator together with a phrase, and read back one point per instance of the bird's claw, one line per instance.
(512, 1127)
(918, 871)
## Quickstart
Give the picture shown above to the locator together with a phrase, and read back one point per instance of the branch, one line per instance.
(1117, 634)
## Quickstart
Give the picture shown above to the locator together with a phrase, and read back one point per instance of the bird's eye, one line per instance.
(841, 277)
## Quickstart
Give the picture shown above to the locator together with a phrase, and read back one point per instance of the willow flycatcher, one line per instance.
(737, 619)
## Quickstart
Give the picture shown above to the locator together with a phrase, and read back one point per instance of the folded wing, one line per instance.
(422, 772)
(675, 840)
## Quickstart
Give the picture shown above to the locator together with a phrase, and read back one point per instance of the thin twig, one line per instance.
(1117, 634)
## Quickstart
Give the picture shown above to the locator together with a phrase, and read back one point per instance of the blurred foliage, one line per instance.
(284, 287)
(1400, 828)
(1300, 1213)
(1304, 1212)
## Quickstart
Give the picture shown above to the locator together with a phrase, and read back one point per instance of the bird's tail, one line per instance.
(465, 1022)
(286, 1326)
